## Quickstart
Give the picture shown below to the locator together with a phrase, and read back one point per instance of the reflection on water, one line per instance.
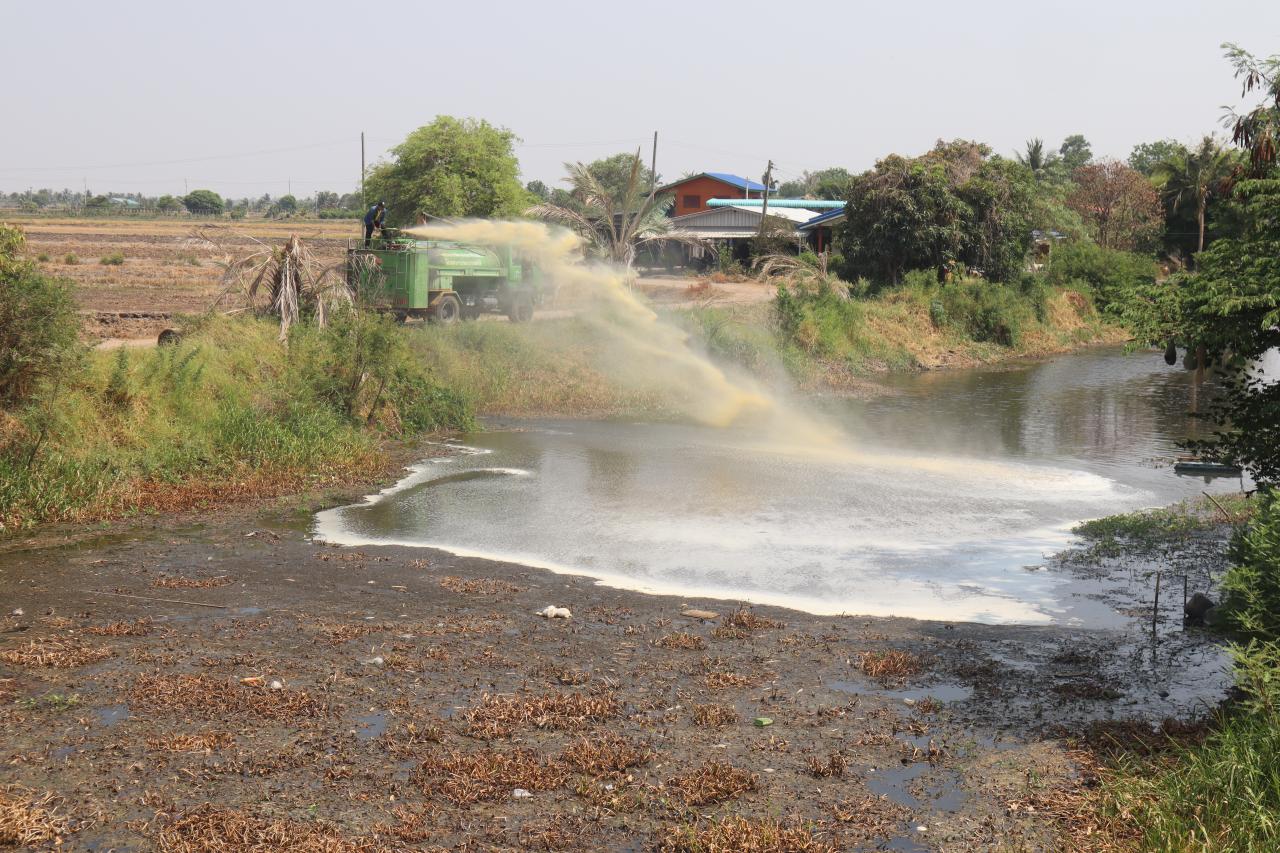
(948, 495)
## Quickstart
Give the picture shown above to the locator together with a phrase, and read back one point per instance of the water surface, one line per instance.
(943, 503)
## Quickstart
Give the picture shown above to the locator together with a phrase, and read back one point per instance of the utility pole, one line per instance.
(764, 204)
(653, 168)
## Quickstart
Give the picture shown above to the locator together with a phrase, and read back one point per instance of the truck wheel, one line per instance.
(521, 309)
(447, 311)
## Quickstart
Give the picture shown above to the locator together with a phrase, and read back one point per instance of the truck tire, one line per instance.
(447, 311)
(520, 310)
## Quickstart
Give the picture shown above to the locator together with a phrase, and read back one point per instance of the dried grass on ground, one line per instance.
(202, 742)
(176, 582)
(714, 715)
(892, 665)
(55, 653)
(28, 819)
(207, 698)
(210, 829)
(137, 628)
(736, 834)
(682, 640)
(601, 753)
(713, 782)
(478, 586)
(834, 766)
(469, 777)
(745, 620)
(500, 716)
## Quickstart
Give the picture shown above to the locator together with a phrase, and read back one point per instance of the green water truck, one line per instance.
(443, 281)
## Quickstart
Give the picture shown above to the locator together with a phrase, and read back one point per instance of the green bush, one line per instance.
(42, 258)
(341, 214)
(1252, 585)
(38, 323)
(1108, 273)
(983, 311)
(70, 259)
(114, 259)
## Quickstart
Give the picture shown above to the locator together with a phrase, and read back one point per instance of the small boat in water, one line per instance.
(1200, 468)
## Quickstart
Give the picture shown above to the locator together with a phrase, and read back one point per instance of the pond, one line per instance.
(942, 499)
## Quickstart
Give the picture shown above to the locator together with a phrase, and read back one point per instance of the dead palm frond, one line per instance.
(616, 224)
(800, 273)
(285, 281)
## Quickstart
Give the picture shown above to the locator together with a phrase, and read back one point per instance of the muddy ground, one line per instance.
(214, 682)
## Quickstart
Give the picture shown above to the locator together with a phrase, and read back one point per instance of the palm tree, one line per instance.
(616, 223)
(1195, 174)
(1034, 158)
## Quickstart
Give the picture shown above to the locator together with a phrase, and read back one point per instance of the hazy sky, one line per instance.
(254, 97)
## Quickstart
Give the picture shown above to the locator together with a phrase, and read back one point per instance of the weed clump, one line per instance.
(464, 778)
(478, 586)
(114, 259)
(747, 835)
(714, 716)
(55, 653)
(713, 782)
(682, 640)
(892, 665)
(500, 716)
(176, 582)
(28, 819)
(605, 753)
(208, 828)
(136, 628)
(203, 697)
(833, 767)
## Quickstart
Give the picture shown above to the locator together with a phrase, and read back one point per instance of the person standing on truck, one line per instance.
(375, 218)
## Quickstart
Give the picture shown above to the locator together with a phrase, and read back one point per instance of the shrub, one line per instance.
(1252, 584)
(70, 259)
(42, 258)
(114, 259)
(38, 322)
(984, 311)
(1108, 273)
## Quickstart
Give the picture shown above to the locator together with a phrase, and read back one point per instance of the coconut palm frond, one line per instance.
(615, 222)
(286, 281)
(798, 273)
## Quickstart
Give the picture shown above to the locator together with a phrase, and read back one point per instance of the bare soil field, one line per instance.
(167, 267)
(171, 267)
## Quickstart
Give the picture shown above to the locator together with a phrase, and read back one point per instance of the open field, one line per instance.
(166, 267)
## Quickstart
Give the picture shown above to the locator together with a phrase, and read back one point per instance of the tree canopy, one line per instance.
(453, 168)
(955, 204)
(1120, 207)
(203, 202)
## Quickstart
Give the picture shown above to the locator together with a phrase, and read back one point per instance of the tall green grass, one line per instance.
(229, 411)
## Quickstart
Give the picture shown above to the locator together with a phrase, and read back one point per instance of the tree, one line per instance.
(1035, 158)
(956, 203)
(1193, 177)
(168, 204)
(615, 221)
(1001, 196)
(1075, 152)
(203, 202)
(38, 323)
(326, 200)
(1145, 156)
(830, 184)
(614, 174)
(287, 204)
(1258, 130)
(1120, 207)
(901, 216)
(453, 168)
(538, 190)
(1229, 308)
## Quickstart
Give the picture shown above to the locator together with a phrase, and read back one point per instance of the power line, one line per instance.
(176, 162)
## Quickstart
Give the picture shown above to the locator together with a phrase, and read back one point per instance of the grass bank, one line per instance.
(815, 341)
(1214, 785)
(229, 412)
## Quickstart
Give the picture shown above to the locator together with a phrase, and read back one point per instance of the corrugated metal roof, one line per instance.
(742, 183)
(831, 217)
(793, 214)
(733, 180)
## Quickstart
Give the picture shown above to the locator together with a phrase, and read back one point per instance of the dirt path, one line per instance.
(419, 697)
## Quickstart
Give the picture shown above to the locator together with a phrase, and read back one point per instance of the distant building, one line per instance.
(733, 227)
(693, 193)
